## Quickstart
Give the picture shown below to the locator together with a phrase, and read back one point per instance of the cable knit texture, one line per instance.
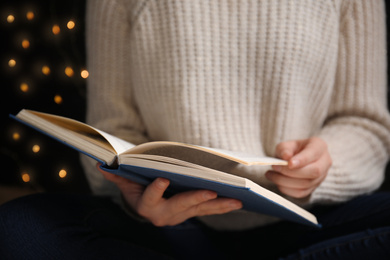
(244, 76)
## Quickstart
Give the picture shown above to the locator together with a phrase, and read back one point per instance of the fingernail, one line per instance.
(162, 183)
(209, 195)
(294, 163)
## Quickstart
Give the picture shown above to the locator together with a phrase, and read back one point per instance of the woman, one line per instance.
(301, 80)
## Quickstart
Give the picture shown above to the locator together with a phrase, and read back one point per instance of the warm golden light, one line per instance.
(69, 71)
(55, 29)
(58, 99)
(36, 148)
(45, 70)
(30, 15)
(24, 87)
(16, 136)
(25, 44)
(10, 18)
(84, 74)
(26, 177)
(12, 63)
(70, 25)
(62, 173)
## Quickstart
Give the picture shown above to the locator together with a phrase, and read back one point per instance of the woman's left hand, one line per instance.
(308, 164)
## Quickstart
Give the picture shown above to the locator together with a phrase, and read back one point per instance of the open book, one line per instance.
(186, 166)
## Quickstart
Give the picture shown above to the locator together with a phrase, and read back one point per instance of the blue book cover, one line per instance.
(253, 197)
(183, 175)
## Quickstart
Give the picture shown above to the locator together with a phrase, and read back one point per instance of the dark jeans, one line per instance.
(52, 226)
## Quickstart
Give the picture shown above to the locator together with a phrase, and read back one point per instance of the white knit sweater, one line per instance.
(245, 75)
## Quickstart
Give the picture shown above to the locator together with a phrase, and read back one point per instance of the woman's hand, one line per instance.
(308, 163)
(149, 202)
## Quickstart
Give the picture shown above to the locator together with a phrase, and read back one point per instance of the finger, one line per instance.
(189, 204)
(212, 207)
(311, 151)
(282, 180)
(153, 193)
(190, 201)
(185, 200)
(294, 188)
(215, 206)
(286, 150)
(296, 193)
(312, 171)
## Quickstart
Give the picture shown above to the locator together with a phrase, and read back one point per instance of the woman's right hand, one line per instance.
(149, 202)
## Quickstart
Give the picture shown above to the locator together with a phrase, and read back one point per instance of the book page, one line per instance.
(249, 159)
(281, 200)
(184, 168)
(90, 133)
(70, 132)
(201, 155)
(118, 144)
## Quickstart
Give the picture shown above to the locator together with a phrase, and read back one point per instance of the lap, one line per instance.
(365, 218)
(73, 227)
(359, 214)
(357, 229)
(78, 226)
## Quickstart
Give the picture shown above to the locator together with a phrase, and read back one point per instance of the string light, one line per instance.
(45, 70)
(36, 148)
(71, 24)
(69, 71)
(25, 44)
(30, 15)
(58, 99)
(56, 29)
(16, 136)
(12, 63)
(62, 173)
(24, 87)
(26, 177)
(84, 74)
(10, 18)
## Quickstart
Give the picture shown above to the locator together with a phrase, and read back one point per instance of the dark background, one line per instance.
(57, 51)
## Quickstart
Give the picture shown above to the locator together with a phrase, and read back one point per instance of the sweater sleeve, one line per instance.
(110, 101)
(358, 126)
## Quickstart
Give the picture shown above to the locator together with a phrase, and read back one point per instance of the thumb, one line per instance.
(286, 150)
